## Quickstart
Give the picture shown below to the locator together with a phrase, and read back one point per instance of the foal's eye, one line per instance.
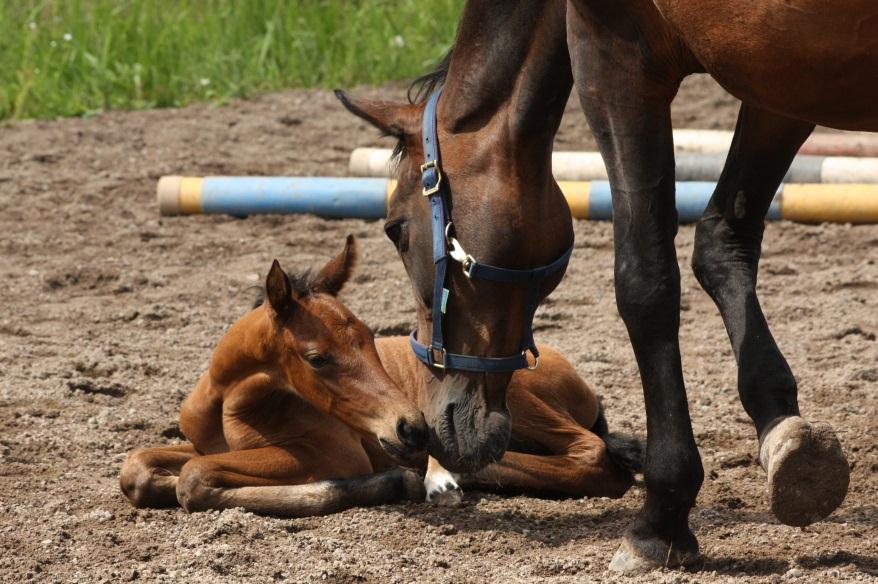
(317, 360)
(398, 232)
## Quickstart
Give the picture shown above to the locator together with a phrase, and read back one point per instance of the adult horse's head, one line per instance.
(505, 88)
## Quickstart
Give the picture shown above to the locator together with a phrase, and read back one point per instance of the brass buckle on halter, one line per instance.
(431, 359)
(536, 358)
(435, 188)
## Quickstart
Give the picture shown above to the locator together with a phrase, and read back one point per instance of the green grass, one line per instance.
(78, 57)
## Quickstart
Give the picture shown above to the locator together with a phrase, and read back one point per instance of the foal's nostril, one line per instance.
(414, 436)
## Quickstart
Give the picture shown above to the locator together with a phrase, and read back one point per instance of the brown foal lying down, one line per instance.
(302, 413)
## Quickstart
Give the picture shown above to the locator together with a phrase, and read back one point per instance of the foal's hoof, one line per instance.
(442, 488)
(447, 495)
(808, 474)
(629, 560)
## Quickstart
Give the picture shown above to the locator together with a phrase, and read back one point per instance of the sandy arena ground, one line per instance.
(110, 313)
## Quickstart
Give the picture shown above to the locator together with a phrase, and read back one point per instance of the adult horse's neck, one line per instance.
(510, 60)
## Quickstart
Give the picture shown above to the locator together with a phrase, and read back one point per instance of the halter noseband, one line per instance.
(434, 190)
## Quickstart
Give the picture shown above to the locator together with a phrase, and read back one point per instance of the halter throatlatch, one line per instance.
(435, 354)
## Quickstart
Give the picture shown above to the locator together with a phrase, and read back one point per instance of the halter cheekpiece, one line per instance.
(445, 246)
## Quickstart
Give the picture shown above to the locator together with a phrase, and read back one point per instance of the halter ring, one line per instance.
(536, 358)
(458, 254)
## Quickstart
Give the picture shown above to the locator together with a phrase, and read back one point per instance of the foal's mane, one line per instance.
(302, 284)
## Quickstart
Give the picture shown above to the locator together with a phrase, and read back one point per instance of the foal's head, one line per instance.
(328, 356)
(505, 88)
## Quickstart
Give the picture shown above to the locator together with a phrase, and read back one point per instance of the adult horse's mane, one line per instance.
(422, 87)
(418, 92)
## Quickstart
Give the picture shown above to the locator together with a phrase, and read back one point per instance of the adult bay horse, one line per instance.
(793, 63)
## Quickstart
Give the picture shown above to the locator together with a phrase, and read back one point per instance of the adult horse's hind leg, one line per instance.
(807, 472)
(149, 475)
(626, 83)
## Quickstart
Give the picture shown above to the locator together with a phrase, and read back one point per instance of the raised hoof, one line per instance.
(628, 560)
(808, 474)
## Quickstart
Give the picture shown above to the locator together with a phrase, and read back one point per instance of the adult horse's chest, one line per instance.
(807, 59)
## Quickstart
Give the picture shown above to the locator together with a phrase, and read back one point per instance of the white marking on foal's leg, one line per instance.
(441, 485)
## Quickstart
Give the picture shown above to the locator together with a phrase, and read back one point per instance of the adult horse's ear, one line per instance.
(278, 290)
(393, 119)
(336, 272)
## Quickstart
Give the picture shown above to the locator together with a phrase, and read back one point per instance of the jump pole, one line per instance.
(239, 195)
(819, 143)
(367, 198)
(700, 167)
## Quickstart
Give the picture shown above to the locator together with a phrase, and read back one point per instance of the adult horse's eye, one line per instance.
(316, 360)
(398, 232)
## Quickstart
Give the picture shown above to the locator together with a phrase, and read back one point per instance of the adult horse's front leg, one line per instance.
(807, 471)
(626, 87)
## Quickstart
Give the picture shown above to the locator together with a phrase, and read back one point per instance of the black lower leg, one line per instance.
(626, 87)
(639, 155)
(648, 296)
(728, 244)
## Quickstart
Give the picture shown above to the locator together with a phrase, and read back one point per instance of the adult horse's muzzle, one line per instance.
(469, 422)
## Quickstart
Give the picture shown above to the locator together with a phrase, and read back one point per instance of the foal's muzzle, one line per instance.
(412, 436)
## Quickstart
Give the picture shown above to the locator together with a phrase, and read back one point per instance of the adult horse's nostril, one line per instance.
(414, 436)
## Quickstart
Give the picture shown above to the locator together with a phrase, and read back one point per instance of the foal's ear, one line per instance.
(336, 272)
(393, 119)
(278, 290)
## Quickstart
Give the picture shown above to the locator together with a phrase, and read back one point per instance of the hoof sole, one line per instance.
(808, 474)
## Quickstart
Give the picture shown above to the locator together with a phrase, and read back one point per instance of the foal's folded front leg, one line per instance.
(282, 482)
(149, 475)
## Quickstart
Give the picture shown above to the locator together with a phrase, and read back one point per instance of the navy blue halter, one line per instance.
(434, 190)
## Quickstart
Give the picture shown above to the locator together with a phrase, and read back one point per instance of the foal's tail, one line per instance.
(624, 450)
